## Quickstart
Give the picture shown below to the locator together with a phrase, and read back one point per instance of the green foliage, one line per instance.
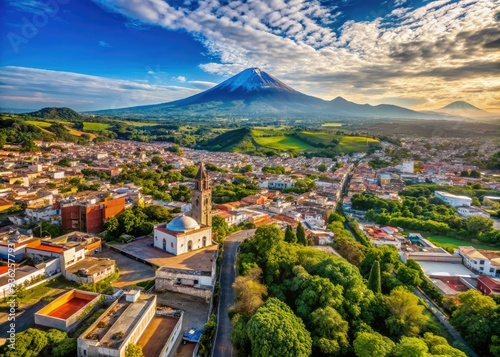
(372, 344)
(274, 330)
(290, 236)
(239, 335)
(278, 169)
(378, 163)
(439, 346)
(65, 348)
(220, 228)
(249, 293)
(136, 221)
(407, 316)
(330, 332)
(374, 282)
(476, 318)
(133, 350)
(57, 113)
(181, 193)
(207, 338)
(31, 342)
(302, 186)
(411, 347)
(301, 234)
(189, 171)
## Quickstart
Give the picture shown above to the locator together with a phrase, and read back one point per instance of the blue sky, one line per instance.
(115, 53)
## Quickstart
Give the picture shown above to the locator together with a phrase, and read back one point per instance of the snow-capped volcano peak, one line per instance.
(251, 80)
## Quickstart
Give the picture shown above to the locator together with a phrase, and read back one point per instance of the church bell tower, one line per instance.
(201, 198)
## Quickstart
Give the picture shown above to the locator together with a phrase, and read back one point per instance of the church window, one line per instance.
(190, 245)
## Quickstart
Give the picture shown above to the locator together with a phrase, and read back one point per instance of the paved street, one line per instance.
(222, 346)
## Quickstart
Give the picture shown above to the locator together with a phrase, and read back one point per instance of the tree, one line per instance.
(330, 332)
(372, 344)
(66, 347)
(28, 343)
(335, 217)
(189, 171)
(181, 193)
(476, 202)
(112, 225)
(411, 347)
(249, 293)
(275, 331)
(474, 317)
(266, 239)
(133, 350)
(220, 228)
(439, 346)
(157, 160)
(301, 235)
(407, 315)
(322, 168)
(374, 282)
(408, 276)
(477, 224)
(290, 236)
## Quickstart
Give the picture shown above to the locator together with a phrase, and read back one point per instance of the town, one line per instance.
(118, 247)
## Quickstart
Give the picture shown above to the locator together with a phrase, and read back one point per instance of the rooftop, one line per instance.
(444, 269)
(91, 265)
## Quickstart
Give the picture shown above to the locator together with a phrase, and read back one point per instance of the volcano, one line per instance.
(255, 93)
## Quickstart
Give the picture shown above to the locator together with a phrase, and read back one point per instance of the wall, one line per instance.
(167, 280)
(113, 207)
(174, 335)
(93, 219)
(70, 217)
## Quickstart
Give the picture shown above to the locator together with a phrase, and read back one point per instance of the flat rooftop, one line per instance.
(93, 265)
(444, 269)
(67, 304)
(157, 334)
(195, 260)
(123, 319)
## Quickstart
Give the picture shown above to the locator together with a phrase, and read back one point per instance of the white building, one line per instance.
(454, 200)
(181, 235)
(280, 183)
(478, 262)
(467, 211)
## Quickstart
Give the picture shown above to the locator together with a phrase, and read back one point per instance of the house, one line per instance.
(475, 260)
(488, 285)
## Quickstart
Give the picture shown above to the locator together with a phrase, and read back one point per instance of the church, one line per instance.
(183, 233)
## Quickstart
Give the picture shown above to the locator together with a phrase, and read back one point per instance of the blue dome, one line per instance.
(182, 223)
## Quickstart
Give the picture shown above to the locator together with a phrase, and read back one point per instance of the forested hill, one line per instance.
(57, 113)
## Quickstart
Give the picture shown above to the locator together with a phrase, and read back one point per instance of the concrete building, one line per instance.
(90, 215)
(192, 273)
(488, 285)
(454, 200)
(475, 260)
(201, 198)
(467, 211)
(90, 270)
(65, 312)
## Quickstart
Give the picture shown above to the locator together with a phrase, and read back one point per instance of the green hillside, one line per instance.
(57, 113)
(274, 140)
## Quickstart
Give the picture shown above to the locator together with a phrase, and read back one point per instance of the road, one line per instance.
(444, 321)
(222, 346)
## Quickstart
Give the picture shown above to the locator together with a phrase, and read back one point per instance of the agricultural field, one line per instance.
(331, 124)
(354, 143)
(450, 242)
(320, 137)
(40, 124)
(282, 143)
(80, 133)
(269, 131)
(95, 126)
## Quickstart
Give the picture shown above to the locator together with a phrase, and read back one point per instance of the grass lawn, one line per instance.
(40, 124)
(354, 143)
(95, 126)
(320, 137)
(283, 143)
(445, 241)
(331, 124)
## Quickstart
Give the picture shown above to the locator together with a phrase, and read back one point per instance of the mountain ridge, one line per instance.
(255, 93)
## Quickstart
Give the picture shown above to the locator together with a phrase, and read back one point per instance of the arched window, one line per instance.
(164, 244)
(190, 245)
(204, 241)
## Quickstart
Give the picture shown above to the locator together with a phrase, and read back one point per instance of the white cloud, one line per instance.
(25, 88)
(181, 79)
(293, 40)
(104, 44)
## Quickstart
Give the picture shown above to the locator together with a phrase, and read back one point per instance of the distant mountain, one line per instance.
(464, 109)
(57, 113)
(254, 93)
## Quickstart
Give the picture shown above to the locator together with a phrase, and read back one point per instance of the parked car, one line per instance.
(192, 335)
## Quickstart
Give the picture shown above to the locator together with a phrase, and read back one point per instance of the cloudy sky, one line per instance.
(103, 54)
